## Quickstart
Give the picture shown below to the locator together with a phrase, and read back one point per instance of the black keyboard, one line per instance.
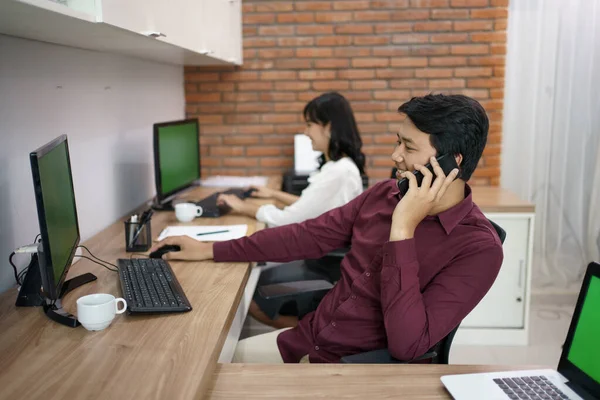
(211, 209)
(530, 387)
(149, 286)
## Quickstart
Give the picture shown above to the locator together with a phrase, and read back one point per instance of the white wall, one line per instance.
(106, 104)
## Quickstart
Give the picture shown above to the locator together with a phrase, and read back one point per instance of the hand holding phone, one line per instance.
(447, 163)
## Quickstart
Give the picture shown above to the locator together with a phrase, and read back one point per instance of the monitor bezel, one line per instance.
(161, 197)
(51, 290)
(566, 367)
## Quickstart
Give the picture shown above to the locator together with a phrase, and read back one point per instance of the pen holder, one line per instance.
(138, 236)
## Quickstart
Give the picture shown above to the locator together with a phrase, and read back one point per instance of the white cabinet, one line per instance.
(191, 32)
(501, 318)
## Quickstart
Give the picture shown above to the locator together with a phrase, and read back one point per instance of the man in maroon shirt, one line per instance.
(418, 263)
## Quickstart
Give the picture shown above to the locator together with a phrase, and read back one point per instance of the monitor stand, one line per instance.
(166, 206)
(30, 294)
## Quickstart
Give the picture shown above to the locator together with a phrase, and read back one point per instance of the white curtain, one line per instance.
(551, 131)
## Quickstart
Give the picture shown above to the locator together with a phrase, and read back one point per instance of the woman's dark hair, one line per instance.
(333, 108)
(457, 124)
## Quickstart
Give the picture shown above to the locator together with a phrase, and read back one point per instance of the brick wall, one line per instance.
(376, 53)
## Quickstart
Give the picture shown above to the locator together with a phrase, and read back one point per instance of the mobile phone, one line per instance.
(447, 163)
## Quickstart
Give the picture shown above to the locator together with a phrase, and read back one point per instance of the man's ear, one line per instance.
(458, 157)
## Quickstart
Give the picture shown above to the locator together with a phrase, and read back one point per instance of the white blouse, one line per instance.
(334, 185)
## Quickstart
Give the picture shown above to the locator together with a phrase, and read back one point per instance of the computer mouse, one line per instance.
(165, 249)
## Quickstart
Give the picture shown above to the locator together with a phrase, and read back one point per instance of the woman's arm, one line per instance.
(268, 193)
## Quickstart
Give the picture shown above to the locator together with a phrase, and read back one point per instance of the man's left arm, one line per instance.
(416, 321)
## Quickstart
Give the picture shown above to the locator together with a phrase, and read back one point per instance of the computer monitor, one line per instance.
(176, 157)
(57, 213)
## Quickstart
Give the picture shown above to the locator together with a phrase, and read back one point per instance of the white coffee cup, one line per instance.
(96, 311)
(186, 212)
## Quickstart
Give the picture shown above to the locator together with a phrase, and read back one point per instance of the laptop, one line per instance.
(578, 373)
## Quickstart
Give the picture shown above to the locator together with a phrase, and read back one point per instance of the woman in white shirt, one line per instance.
(331, 126)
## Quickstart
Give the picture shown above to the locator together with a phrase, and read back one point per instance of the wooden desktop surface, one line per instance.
(137, 357)
(337, 381)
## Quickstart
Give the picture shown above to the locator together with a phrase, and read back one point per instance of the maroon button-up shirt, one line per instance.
(405, 295)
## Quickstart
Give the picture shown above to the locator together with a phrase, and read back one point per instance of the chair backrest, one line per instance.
(501, 232)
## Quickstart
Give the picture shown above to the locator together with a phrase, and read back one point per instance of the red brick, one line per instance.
(333, 17)
(261, 129)
(370, 62)
(394, 73)
(492, 105)
(314, 52)
(473, 26)
(259, 42)
(276, 162)
(350, 5)
(408, 83)
(356, 74)
(471, 72)
(429, 3)
(446, 83)
(295, 41)
(191, 87)
(239, 118)
(486, 60)
(372, 16)
(287, 107)
(293, 64)
(249, 31)
(499, 3)
(226, 151)
(240, 97)
(331, 63)
(277, 6)
(497, 93)
(409, 62)
(499, 71)
(478, 94)
(251, 86)
(253, 107)
(469, 3)
(357, 96)
(428, 50)
(352, 52)
(447, 61)
(207, 161)
(433, 73)
(277, 75)
(449, 38)
(258, 64)
(248, 8)
(364, 117)
(362, 106)
(392, 4)
(498, 48)
(292, 86)
(210, 119)
(486, 83)
(334, 41)
(383, 161)
(390, 51)
(276, 53)
(371, 40)
(312, 5)
(276, 30)
(317, 75)
(379, 150)
(492, 37)
(398, 95)
(410, 15)
(202, 97)
(249, 54)
(241, 140)
(278, 96)
(393, 27)
(330, 85)
(201, 76)
(369, 84)
(219, 87)
(219, 108)
(389, 138)
(432, 26)
(500, 25)
(449, 14)
(371, 128)
(468, 49)
(290, 129)
(490, 13)
(354, 29)
(296, 18)
(240, 162)
(239, 76)
(314, 30)
(410, 38)
(263, 151)
(287, 139)
(259, 19)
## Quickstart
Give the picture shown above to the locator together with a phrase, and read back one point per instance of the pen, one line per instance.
(211, 233)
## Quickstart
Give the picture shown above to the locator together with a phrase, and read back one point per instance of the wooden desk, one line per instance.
(137, 357)
(304, 381)
(495, 199)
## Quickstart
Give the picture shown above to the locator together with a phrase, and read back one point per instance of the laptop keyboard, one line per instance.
(530, 387)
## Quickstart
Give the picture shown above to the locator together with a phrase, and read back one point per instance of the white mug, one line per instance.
(96, 311)
(186, 212)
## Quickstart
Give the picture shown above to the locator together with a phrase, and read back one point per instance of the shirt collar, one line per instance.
(451, 217)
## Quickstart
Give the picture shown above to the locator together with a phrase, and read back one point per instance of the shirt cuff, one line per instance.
(220, 251)
(399, 253)
(261, 213)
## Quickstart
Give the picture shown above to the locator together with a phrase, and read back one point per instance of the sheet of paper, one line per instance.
(306, 160)
(234, 181)
(233, 232)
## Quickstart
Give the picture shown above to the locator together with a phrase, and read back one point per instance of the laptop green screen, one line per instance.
(584, 348)
(179, 156)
